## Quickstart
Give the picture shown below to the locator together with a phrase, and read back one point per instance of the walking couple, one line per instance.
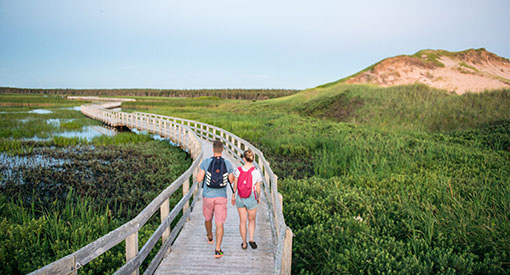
(215, 174)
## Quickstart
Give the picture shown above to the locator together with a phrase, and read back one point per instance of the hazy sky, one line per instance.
(229, 44)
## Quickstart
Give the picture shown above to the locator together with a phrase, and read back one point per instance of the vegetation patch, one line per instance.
(59, 194)
(251, 94)
(94, 188)
(413, 179)
(341, 107)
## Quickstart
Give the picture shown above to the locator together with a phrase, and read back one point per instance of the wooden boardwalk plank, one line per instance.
(191, 254)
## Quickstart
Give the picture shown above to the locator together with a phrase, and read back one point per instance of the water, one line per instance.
(57, 121)
(75, 108)
(12, 167)
(155, 137)
(40, 111)
(88, 132)
(44, 111)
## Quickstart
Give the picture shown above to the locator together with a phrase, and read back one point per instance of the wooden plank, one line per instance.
(66, 266)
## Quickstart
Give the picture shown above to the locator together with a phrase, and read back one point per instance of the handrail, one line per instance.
(186, 134)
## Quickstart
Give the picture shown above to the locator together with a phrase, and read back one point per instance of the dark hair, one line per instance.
(248, 155)
(217, 146)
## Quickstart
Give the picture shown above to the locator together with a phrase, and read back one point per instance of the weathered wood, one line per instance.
(287, 252)
(66, 266)
(134, 263)
(185, 189)
(280, 198)
(166, 246)
(164, 211)
(132, 248)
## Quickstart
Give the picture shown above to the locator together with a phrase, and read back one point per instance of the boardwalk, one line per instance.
(184, 248)
(191, 254)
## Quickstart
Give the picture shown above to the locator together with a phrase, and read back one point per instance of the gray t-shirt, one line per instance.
(214, 192)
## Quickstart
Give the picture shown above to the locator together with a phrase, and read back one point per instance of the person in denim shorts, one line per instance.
(247, 206)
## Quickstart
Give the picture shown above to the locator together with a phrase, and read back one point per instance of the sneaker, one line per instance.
(218, 254)
(253, 245)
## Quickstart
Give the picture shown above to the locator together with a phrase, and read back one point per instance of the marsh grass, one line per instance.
(398, 180)
(378, 180)
(71, 191)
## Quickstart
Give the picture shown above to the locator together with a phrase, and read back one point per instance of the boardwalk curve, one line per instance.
(184, 248)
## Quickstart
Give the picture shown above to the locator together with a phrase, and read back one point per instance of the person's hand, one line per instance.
(233, 200)
(258, 200)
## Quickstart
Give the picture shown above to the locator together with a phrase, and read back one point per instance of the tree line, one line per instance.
(250, 94)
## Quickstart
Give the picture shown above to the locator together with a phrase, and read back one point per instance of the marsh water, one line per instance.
(57, 124)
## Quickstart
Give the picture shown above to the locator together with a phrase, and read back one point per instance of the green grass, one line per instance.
(379, 180)
(19, 122)
(35, 100)
(425, 170)
(74, 191)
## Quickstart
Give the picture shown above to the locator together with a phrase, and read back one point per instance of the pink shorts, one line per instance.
(218, 206)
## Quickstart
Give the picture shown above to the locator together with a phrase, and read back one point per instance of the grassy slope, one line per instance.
(421, 168)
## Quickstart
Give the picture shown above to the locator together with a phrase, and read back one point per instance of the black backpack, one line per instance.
(216, 175)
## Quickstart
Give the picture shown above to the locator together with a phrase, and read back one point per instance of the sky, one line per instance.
(195, 44)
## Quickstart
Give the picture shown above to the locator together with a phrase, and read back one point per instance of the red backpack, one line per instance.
(244, 183)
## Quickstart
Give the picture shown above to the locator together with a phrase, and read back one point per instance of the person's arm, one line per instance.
(234, 194)
(231, 177)
(200, 175)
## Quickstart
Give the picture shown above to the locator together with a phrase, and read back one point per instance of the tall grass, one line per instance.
(380, 180)
(383, 180)
(71, 191)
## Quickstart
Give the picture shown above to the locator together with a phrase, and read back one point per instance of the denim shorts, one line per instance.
(248, 203)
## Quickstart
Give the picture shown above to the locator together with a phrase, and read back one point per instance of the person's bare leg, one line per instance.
(208, 229)
(242, 224)
(252, 215)
(219, 236)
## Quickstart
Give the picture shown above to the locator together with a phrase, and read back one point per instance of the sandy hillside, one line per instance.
(459, 72)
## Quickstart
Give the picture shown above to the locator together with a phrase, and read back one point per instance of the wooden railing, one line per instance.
(186, 134)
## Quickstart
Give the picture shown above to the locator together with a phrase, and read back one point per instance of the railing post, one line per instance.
(273, 200)
(280, 198)
(164, 210)
(261, 166)
(287, 253)
(132, 248)
(185, 190)
(266, 176)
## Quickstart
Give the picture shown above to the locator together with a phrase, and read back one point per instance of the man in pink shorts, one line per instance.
(215, 174)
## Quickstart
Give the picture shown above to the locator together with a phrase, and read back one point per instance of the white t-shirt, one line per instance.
(255, 175)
